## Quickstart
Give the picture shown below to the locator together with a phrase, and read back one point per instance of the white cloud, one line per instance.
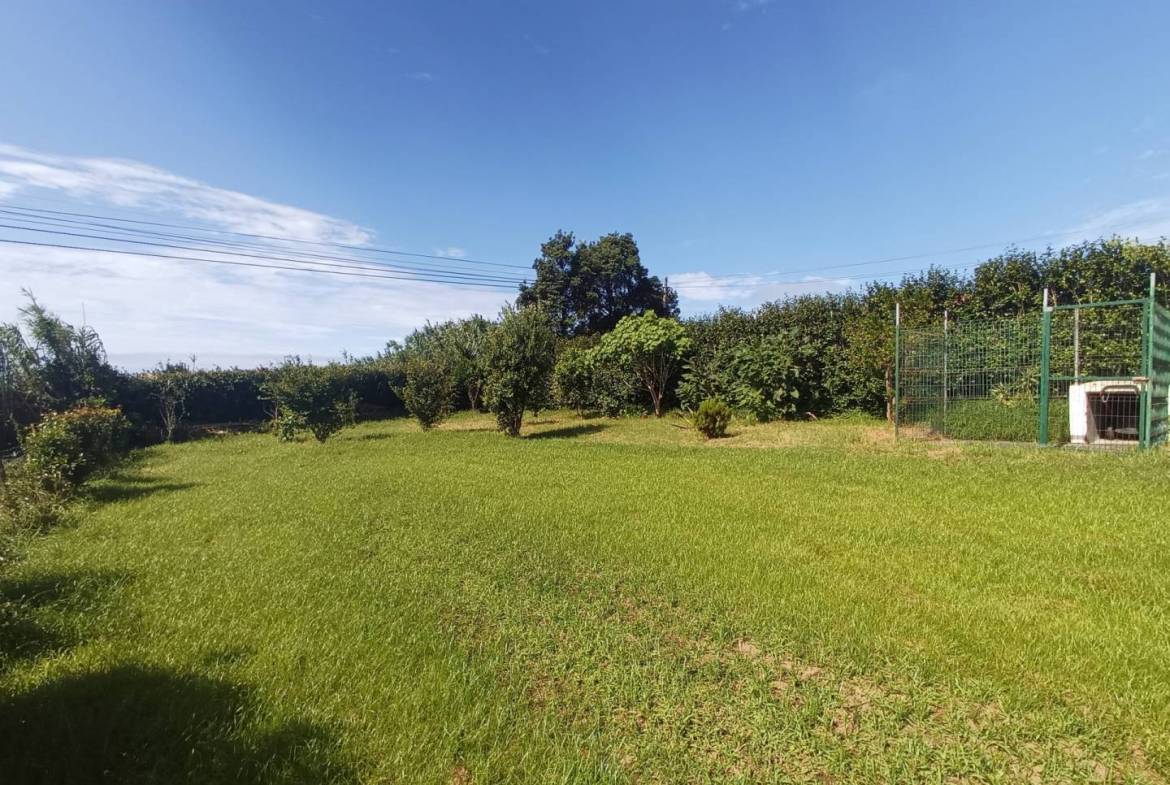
(451, 252)
(133, 184)
(147, 309)
(421, 76)
(747, 290)
(1148, 219)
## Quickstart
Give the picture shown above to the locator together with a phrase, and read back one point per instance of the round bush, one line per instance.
(712, 418)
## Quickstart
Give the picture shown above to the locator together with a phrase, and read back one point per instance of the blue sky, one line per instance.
(770, 139)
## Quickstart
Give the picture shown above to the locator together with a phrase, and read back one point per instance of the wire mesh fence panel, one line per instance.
(973, 380)
(1100, 370)
(1097, 342)
(1159, 375)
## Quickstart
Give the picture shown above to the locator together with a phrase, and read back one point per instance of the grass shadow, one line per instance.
(119, 488)
(41, 615)
(133, 724)
(568, 431)
(374, 437)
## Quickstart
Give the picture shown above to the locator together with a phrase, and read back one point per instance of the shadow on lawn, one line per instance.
(133, 724)
(569, 431)
(119, 488)
(46, 614)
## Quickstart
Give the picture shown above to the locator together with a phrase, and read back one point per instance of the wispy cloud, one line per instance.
(421, 76)
(132, 184)
(1147, 219)
(704, 288)
(748, 5)
(147, 310)
(451, 252)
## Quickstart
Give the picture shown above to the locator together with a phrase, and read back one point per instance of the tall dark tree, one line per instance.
(588, 287)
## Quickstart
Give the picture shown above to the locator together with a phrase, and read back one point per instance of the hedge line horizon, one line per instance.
(819, 354)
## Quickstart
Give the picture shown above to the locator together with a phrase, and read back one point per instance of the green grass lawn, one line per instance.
(601, 601)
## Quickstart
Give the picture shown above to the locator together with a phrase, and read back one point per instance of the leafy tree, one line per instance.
(651, 347)
(171, 384)
(310, 396)
(588, 288)
(464, 342)
(585, 383)
(428, 390)
(518, 359)
(49, 365)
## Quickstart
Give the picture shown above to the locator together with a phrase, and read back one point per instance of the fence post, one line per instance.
(946, 350)
(1045, 350)
(1148, 365)
(1076, 344)
(897, 364)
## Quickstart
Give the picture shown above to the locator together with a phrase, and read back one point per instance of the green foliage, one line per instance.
(651, 347)
(66, 448)
(763, 380)
(46, 365)
(712, 418)
(171, 384)
(429, 389)
(588, 287)
(313, 397)
(519, 356)
(584, 383)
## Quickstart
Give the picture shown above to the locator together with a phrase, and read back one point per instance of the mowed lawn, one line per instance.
(600, 601)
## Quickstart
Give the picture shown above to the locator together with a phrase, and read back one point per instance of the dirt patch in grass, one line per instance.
(669, 696)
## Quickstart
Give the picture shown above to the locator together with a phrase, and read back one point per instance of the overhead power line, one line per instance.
(33, 243)
(323, 243)
(265, 257)
(53, 221)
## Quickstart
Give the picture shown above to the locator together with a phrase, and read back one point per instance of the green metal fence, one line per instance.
(1009, 379)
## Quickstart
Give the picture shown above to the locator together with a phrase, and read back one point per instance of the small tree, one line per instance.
(464, 343)
(429, 389)
(309, 396)
(652, 347)
(171, 383)
(519, 357)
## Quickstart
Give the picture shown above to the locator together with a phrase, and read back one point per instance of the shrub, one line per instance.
(651, 347)
(429, 389)
(26, 504)
(314, 397)
(66, 448)
(519, 356)
(712, 418)
(585, 384)
(763, 380)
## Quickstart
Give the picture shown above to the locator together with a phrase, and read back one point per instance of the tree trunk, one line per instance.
(656, 397)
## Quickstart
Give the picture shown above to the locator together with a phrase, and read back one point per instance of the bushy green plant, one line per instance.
(584, 383)
(26, 504)
(519, 356)
(429, 389)
(650, 347)
(763, 381)
(313, 397)
(67, 447)
(712, 418)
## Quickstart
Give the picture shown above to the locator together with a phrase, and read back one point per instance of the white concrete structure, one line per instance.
(1105, 412)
